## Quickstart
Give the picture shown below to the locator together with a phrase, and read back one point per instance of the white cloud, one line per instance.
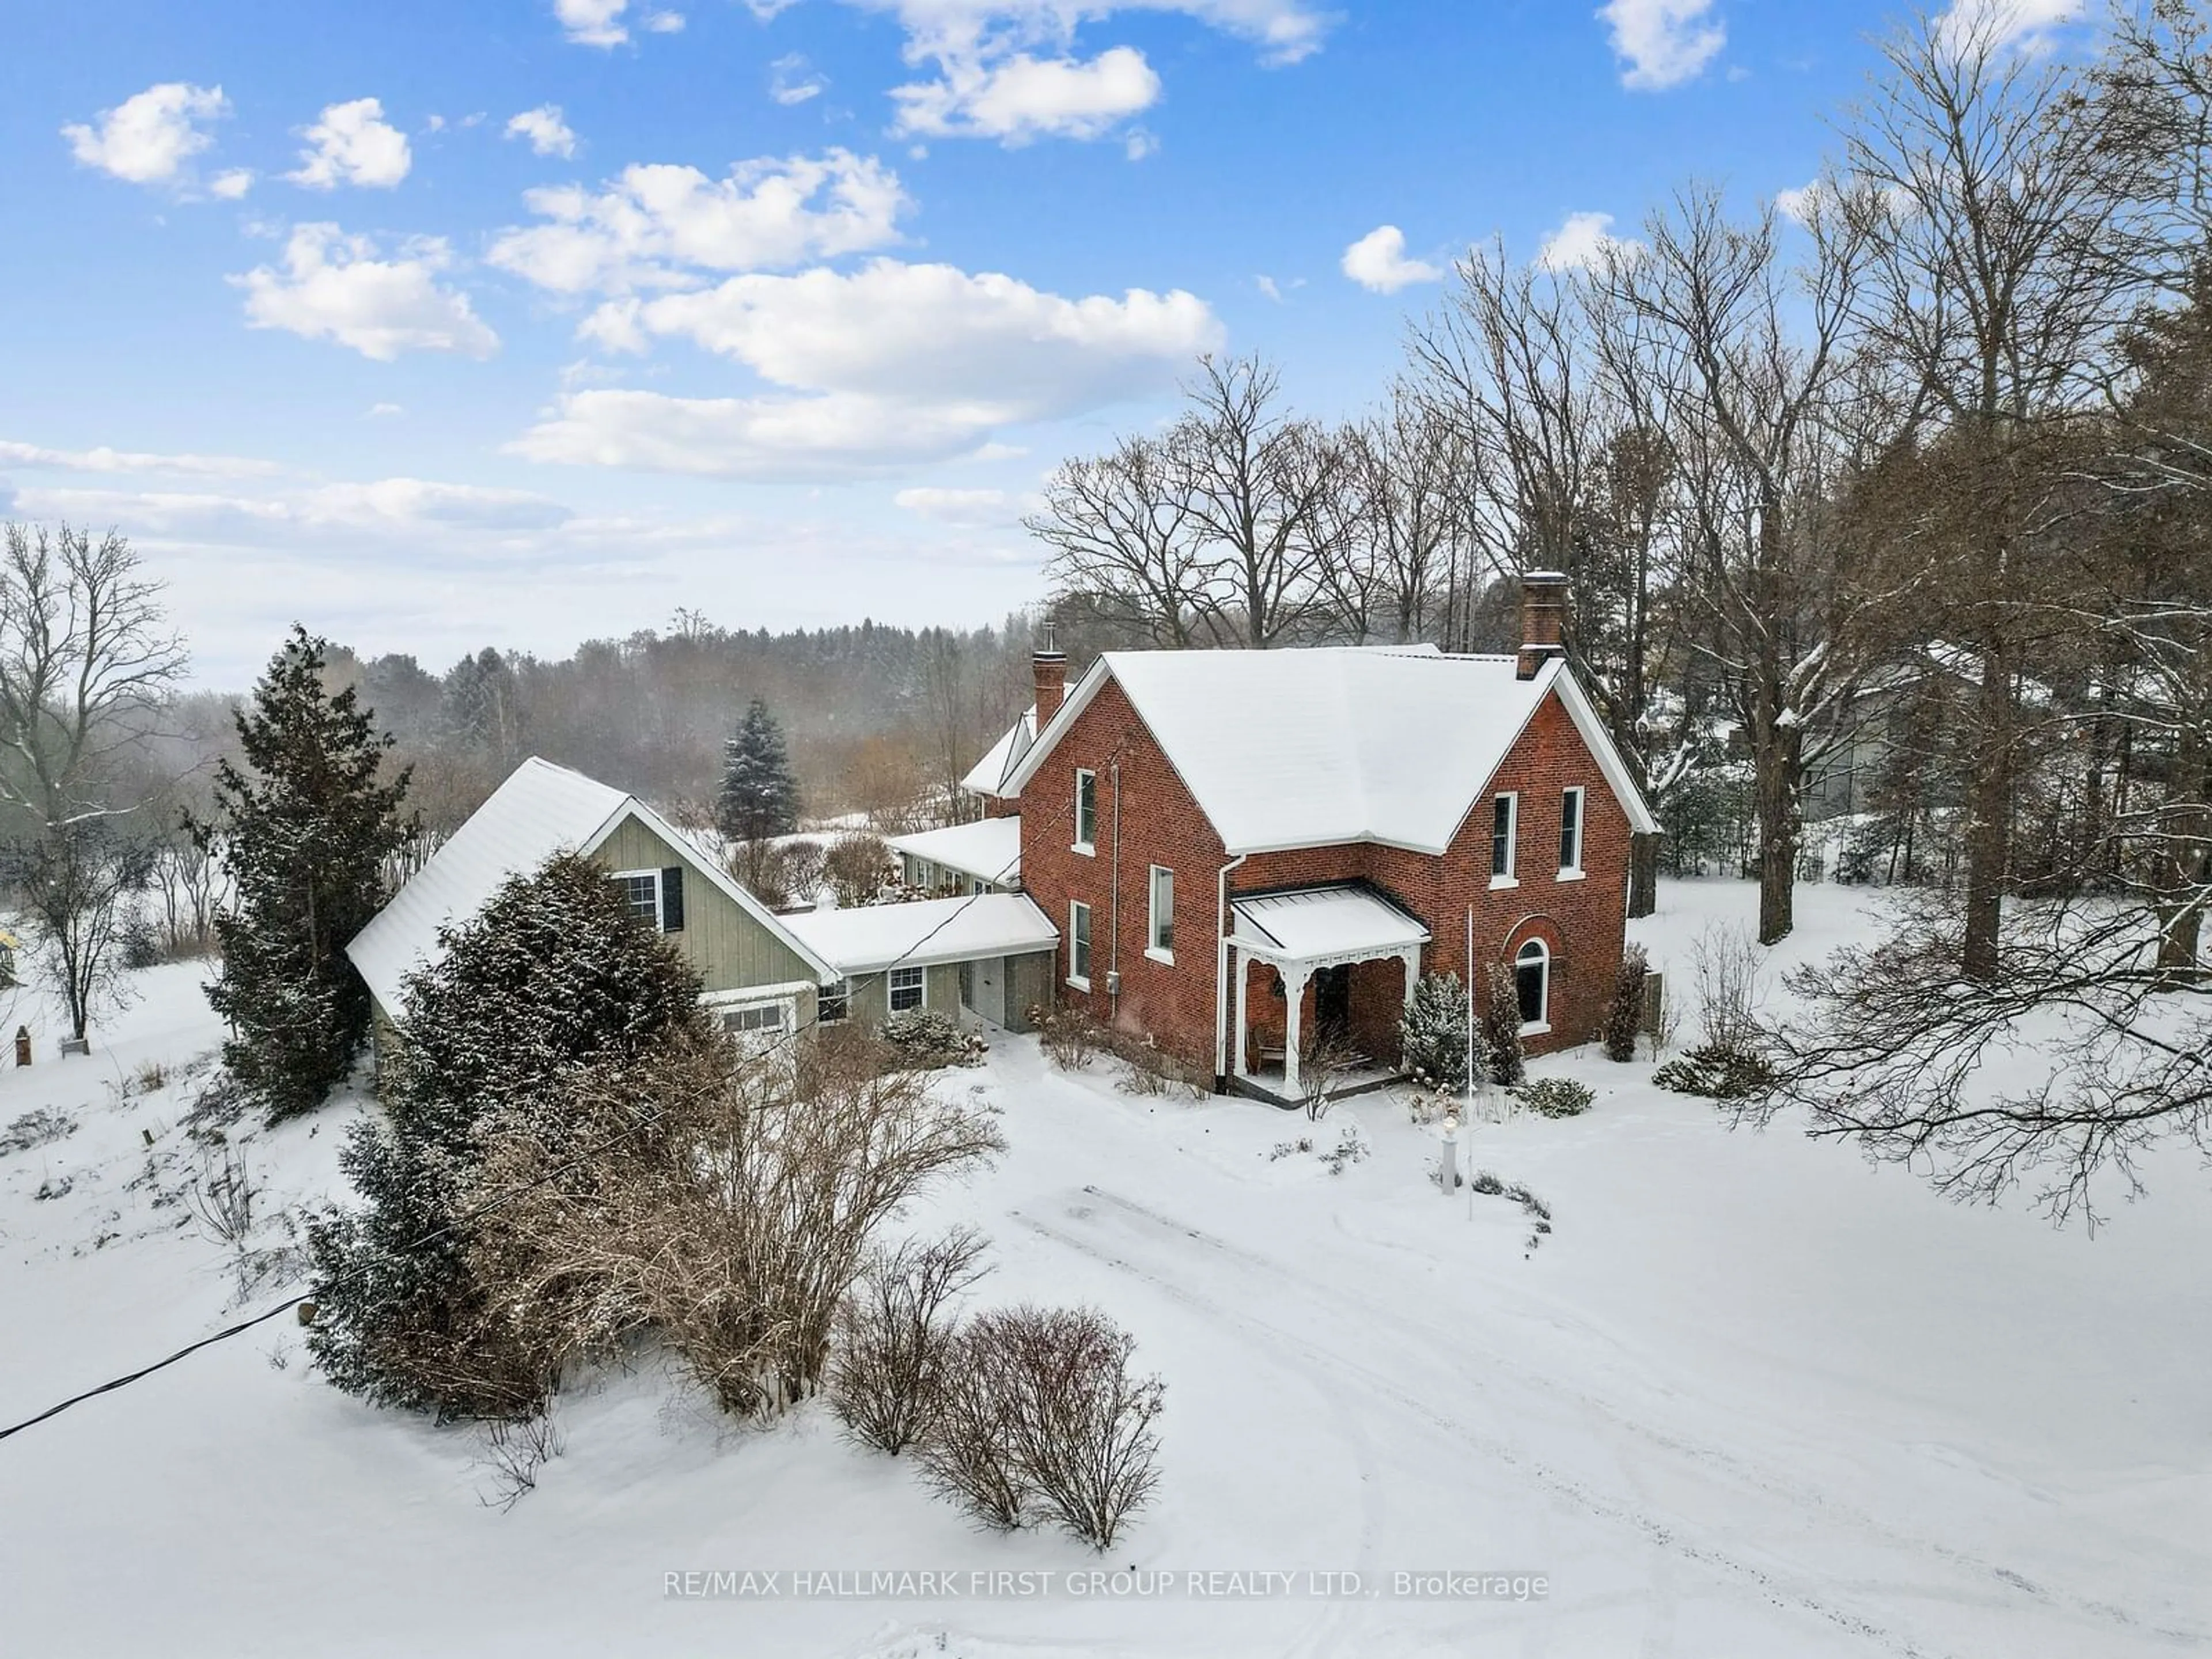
(547, 133)
(1663, 42)
(793, 80)
(656, 225)
(231, 184)
(1021, 98)
(334, 287)
(593, 22)
(967, 509)
(148, 137)
(104, 459)
(663, 22)
(890, 365)
(1007, 70)
(385, 411)
(2028, 24)
(353, 144)
(1377, 262)
(1581, 240)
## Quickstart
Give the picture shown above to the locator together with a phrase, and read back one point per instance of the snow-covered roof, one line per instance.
(1309, 748)
(540, 809)
(989, 774)
(868, 937)
(990, 848)
(1338, 921)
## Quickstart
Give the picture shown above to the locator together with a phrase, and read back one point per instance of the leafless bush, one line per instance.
(1071, 1037)
(1724, 963)
(514, 1450)
(740, 1239)
(221, 1196)
(971, 1455)
(858, 868)
(1322, 1068)
(1623, 1015)
(887, 1362)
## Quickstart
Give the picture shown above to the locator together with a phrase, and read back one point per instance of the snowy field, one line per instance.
(1752, 1397)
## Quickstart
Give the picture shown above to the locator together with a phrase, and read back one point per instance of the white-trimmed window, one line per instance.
(909, 989)
(1571, 833)
(1078, 945)
(833, 1003)
(641, 890)
(1086, 812)
(755, 1018)
(1532, 986)
(1504, 831)
(1161, 938)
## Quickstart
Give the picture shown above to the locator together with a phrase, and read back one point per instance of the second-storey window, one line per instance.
(1503, 813)
(1078, 943)
(1163, 933)
(1571, 832)
(1086, 810)
(641, 890)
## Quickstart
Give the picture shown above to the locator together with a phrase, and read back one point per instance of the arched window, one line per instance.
(1532, 982)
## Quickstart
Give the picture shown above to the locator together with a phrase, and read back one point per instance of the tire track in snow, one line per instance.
(1784, 1488)
(1770, 1585)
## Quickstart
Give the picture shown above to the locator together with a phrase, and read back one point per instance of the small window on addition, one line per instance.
(833, 1003)
(908, 989)
(755, 1018)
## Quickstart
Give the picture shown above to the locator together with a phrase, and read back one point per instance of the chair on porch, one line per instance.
(1263, 1050)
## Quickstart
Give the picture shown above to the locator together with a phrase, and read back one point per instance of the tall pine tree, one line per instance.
(759, 796)
(304, 835)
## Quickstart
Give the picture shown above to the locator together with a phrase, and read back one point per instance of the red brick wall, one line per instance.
(1581, 923)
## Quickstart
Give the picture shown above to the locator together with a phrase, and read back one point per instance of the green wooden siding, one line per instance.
(1030, 983)
(731, 949)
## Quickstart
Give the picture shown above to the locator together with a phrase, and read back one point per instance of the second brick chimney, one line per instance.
(1049, 663)
(1543, 620)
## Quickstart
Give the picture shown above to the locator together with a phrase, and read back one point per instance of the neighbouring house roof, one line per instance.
(869, 937)
(989, 774)
(1309, 748)
(540, 809)
(1341, 920)
(990, 848)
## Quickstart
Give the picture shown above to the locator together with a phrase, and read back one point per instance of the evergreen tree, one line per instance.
(551, 977)
(304, 836)
(1433, 1037)
(759, 797)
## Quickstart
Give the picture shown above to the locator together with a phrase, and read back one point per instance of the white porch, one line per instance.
(1303, 934)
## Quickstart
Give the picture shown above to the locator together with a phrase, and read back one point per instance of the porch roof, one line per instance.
(1344, 922)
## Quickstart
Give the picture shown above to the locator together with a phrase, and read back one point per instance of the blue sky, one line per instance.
(436, 325)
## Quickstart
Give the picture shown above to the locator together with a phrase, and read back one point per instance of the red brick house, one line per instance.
(1241, 849)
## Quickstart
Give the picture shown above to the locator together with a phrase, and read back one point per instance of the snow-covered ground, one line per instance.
(1752, 1397)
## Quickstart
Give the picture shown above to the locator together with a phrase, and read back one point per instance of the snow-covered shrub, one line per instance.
(1351, 1148)
(1623, 1015)
(894, 1329)
(1043, 1411)
(34, 1129)
(1432, 1036)
(1501, 1028)
(1487, 1183)
(1557, 1097)
(924, 1038)
(1717, 1073)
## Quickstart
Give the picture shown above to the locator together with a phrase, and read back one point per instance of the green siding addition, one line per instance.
(730, 948)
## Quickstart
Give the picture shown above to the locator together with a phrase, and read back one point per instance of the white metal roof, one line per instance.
(540, 809)
(1307, 748)
(990, 847)
(1338, 921)
(868, 937)
(989, 774)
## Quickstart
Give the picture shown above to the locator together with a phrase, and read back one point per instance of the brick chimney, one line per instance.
(1049, 663)
(1543, 620)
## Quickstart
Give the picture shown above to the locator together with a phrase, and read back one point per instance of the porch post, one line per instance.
(1411, 957)
(1244, 1061)
(1294, 994)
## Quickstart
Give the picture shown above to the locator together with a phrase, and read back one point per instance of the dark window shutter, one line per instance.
(671, 899)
